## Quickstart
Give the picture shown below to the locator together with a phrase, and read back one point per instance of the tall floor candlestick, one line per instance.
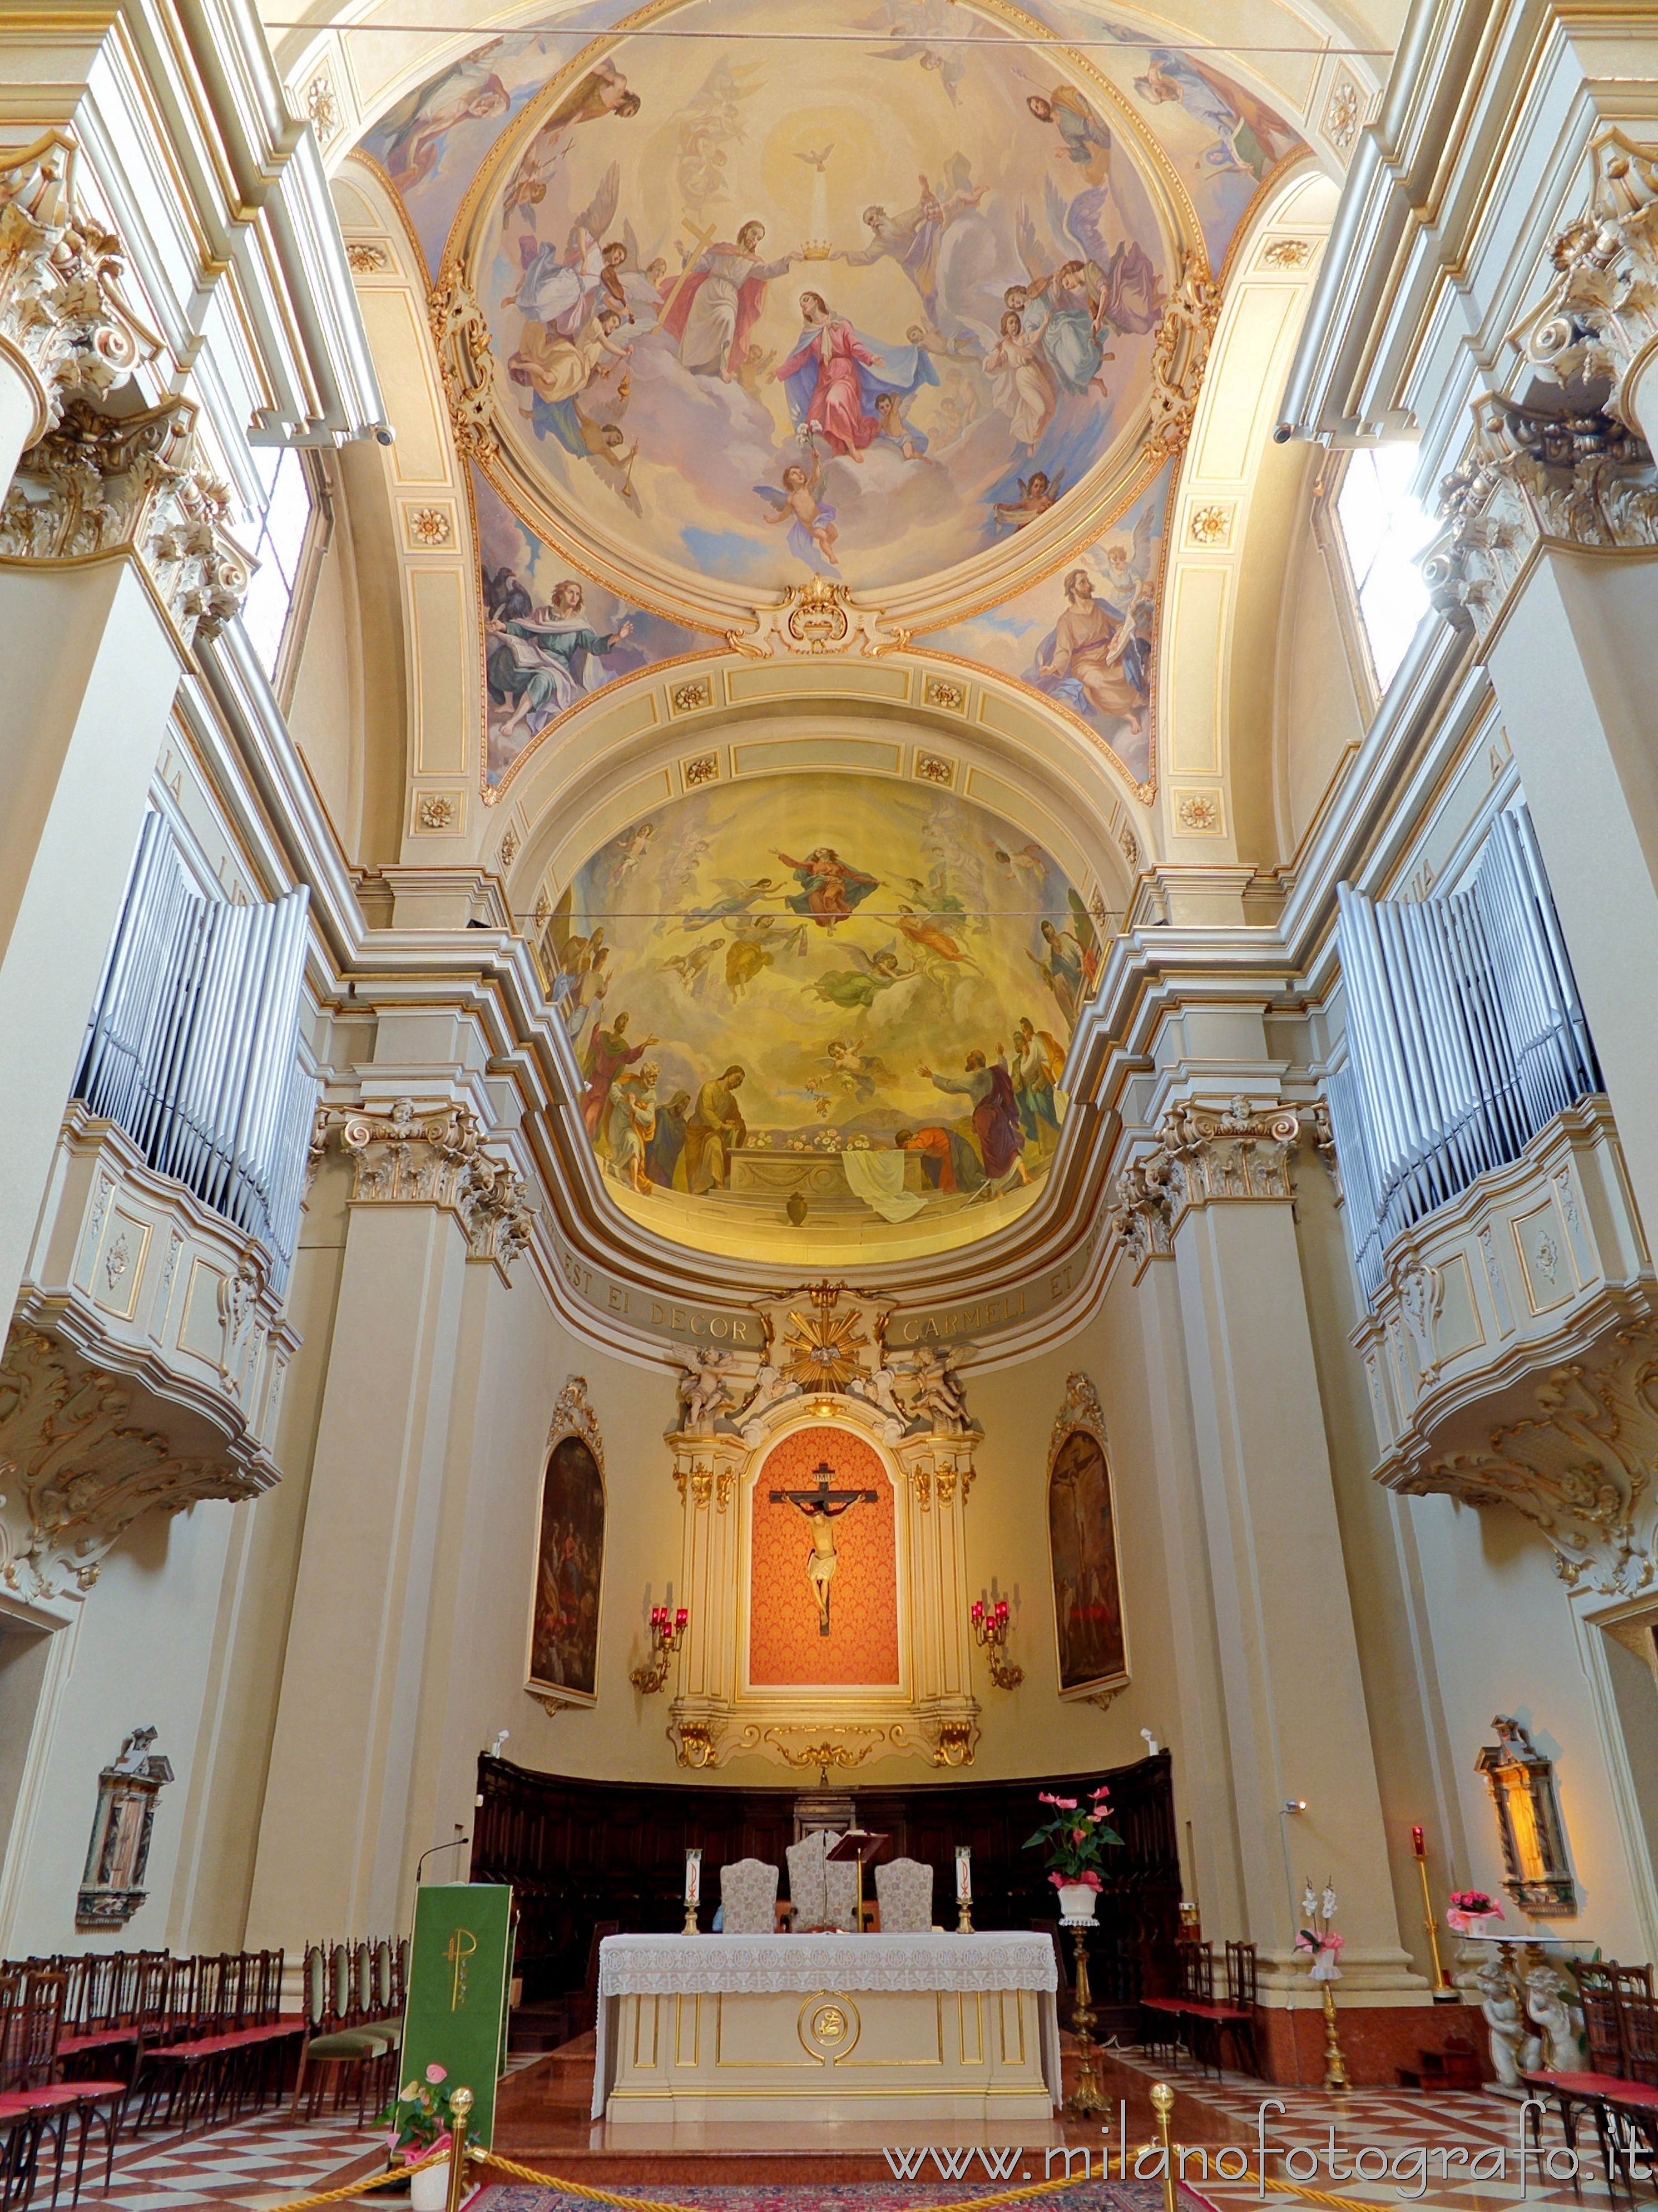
(1441, 1978)
(1086, 2097)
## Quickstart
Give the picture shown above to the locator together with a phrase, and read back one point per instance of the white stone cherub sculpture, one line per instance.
(705, 1391)
(1513, 2051)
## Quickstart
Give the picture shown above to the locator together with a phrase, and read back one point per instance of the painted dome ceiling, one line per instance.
(827, 1003)
(863, 289)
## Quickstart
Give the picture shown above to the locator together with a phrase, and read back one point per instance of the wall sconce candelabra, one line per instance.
(667, 1634)
(989, 1618)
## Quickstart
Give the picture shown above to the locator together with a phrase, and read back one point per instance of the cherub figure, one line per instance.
(705, 1391)
(810, 520)
(1037, 493)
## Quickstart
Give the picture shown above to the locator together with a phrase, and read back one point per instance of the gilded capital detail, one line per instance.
(98, 484)
(62, 320)
(433, 1156)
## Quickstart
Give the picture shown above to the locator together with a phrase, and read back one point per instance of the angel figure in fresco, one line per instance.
(856, 1070)
(604, 91)
(1249, 135)
(564, 291)
(758, 942)
(855, 990)
(1132, 598)
(1020, 380)
(831, 889)
(1037, 493)
(810, 519)
(711, 309)
(913, 238)
(921, 31)
(469, 93)
(834, 375)
(926, 934)
(631, 849)
(1081, 662)
(735, 899)
(1085, 136)
(691, 968)
(554, 370)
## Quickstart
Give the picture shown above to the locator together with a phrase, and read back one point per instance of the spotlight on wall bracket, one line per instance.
(1295, 1804)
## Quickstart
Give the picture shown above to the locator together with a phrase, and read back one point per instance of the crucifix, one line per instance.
(823, 1508)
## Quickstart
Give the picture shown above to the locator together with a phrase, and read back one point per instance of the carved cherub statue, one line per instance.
(705, 1391)
(1513, 2051)
(936, 1394)
(1549, 2004)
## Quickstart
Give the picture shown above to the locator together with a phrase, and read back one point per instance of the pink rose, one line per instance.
(436, 2073)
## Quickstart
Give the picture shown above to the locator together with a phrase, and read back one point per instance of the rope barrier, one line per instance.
(361, 2188)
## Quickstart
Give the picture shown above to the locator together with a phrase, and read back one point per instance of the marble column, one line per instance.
(112, 563)
(1270, 1688)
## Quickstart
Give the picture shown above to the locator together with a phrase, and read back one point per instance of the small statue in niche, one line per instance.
(1513, 2050)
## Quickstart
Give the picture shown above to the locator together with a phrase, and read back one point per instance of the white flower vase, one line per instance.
(1325, 1968)
(1077, 1900)
(428, 2190)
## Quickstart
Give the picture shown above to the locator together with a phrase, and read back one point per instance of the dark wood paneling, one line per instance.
(577, 1852)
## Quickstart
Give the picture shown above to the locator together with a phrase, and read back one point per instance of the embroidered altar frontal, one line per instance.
(826, 2027)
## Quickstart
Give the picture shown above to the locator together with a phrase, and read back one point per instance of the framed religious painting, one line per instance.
(570, 1567)
(1082, 1527)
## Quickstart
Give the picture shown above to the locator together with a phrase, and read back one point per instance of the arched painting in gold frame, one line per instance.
(1089, 1624)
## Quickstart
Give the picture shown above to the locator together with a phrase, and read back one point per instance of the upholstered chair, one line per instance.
(748, 1896)
(808, 1891)
(904, 1887)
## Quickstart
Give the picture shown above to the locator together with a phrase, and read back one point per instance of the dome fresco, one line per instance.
(821, 997)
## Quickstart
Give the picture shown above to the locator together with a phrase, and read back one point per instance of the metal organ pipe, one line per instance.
(193, 1047)
(1465, 1037)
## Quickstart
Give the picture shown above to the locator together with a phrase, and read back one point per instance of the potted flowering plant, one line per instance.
(1075, 1840)
(1472, 1912)
(419, 2123)
(1319, 1939)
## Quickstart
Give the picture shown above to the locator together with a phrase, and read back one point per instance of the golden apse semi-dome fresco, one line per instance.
(865, 290)
(822, 1000)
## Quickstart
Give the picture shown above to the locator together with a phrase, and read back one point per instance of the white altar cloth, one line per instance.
(677, 1966)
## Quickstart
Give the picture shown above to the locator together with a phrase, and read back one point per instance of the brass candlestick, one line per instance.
(1442, 1977)
(1086, 2097)
(1335, 2066)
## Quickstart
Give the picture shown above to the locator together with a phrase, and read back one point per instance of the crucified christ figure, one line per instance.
(823, 1508)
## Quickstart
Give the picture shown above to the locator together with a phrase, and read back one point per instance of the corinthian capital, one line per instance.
(1599, 319)
(100, 485)
(1578, 477)
(62, 320)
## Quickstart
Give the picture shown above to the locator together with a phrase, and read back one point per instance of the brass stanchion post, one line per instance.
(1085, 2098)
(1335, 2066)
(1162, 2104)
(461, 2107)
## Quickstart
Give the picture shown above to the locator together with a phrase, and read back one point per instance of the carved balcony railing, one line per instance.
(1465, 1038)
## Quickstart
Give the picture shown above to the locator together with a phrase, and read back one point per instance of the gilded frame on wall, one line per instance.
(1090, 1630)
(566, 1591)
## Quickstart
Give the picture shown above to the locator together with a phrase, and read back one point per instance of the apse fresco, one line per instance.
(863, 318)
(551, 638)
(823, 994)
(1085, 635)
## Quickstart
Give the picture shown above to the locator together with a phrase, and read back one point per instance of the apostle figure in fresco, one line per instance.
(716, 304)
(1038, 1062)
(715, 1129)
(830, 888)
(1062, 970)
(995, 1113)
(1250, 136)
(667, 1140)
(949, 1162)
(608, 1052)
(835, 374)
(632, 1124)
(469, 93)
(532, 660)
(1086, 654)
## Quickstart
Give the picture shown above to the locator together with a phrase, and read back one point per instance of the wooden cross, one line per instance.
(823, 1499)
(822, 1507)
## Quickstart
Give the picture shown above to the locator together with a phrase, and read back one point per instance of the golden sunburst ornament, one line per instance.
(824, 1347)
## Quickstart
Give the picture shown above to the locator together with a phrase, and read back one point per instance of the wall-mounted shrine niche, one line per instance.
(113, 1887)
(1536, 1874)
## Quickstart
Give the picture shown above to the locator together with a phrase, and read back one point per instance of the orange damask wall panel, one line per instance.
(785, 1645)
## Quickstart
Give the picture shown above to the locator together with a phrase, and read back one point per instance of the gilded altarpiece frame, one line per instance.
(717, 1712)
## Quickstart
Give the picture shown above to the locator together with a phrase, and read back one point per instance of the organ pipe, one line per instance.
(1465, 1036)
(193, 1047)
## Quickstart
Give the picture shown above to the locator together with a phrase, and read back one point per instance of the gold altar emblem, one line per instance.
(460, 1948)
(828, 2027)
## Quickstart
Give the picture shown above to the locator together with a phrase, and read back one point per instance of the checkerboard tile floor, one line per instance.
(245, 2167)
(1469, 2145)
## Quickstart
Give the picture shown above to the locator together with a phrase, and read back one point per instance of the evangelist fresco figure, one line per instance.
(564, 1627)
(1087, 1592)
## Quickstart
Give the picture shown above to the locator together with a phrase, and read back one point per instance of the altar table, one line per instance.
(827, 2027)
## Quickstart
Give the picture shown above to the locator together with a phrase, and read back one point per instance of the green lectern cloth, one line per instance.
(459, 1977)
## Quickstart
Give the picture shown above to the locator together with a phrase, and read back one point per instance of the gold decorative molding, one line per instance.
(1582, 480)
(96, 485)
(79, 1470)
(554, 1706)
(1180, 352)
(1599, 316)
(62, 320)
(460, 332)
(1081, 1410)
(815, 618)
(572, 1416)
